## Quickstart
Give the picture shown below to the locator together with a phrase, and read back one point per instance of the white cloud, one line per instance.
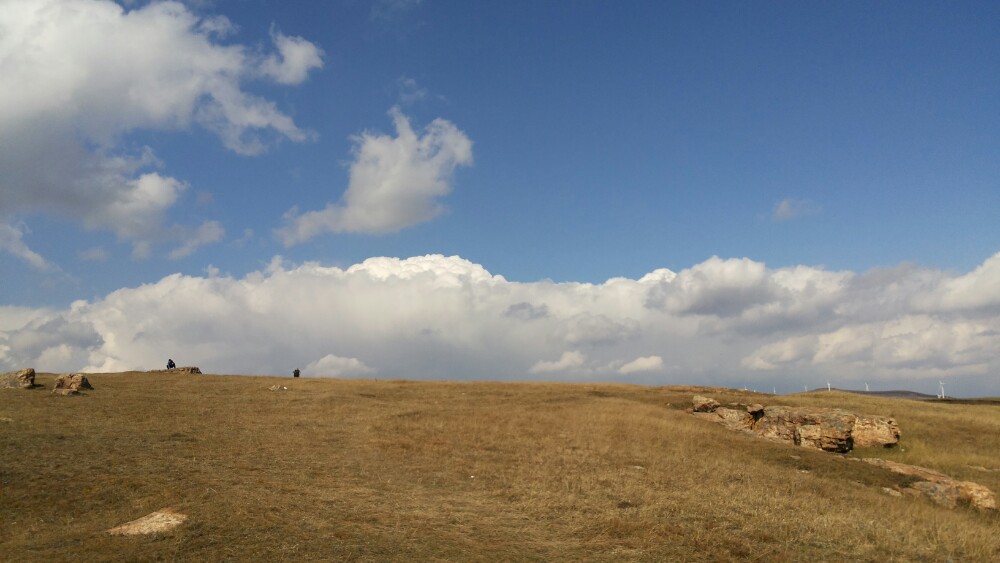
(207, 233)
(11, 240)
(789, 208)
(977, 290)
(569, 360)
(88, 72)
(644, 363)
(390, 11)
(409, 91)
(298, 57)
(394, 182)
(335, 366)
(445, 317)
(94, 254)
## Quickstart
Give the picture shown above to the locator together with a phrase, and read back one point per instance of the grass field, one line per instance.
(396, 470)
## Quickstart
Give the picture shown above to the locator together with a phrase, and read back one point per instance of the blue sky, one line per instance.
(575, 142)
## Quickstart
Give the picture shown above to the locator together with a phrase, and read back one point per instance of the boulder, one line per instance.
(704, 404)
(874, 432)
(939, 487)
(73, 381)
(24, 379)
(66, 392)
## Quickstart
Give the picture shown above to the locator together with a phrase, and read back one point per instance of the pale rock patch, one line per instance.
(160, 521)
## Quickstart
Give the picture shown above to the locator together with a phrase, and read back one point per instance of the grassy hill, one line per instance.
(397, 470)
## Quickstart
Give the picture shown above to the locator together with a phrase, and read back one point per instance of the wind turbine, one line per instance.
(828, 386)
(942, 389)
(866, 387)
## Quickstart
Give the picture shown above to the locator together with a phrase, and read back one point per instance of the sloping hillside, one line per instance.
(397, 470)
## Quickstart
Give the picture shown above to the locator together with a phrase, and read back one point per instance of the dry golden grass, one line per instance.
(395, 470)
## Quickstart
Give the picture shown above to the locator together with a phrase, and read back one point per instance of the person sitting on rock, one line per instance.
(171, 364)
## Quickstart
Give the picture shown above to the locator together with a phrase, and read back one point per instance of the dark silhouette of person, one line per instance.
(171, 364)
(295, 373)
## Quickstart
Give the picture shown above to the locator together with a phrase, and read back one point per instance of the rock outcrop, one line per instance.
(185, 369)
(939, 487)
(72, 382)
(875, 431)
(704, 404)
(832, 430)
(24, 379)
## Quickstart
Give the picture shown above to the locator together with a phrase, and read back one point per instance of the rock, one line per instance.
(939, 487)
(734, 418)
(185, 369)
(65, 392)
(825, 429)
(831, 430)
(159, 521)
(875, 431)
(278, 388)
(24, 379)
(704, 404)
(74, 381)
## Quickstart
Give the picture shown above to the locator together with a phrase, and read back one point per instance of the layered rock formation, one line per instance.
(831, 430)
(939, 487)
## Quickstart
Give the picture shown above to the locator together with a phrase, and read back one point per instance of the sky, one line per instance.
(771, 195)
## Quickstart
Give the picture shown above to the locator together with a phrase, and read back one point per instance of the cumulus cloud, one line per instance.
(335, 366)
(644, 363)
(88, 72)
(295, 58)
(720, 321)
(568, 360)
(394, 182)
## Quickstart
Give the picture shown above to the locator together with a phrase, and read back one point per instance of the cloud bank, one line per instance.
(394, 182)
(723, 321)
(89, 72)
